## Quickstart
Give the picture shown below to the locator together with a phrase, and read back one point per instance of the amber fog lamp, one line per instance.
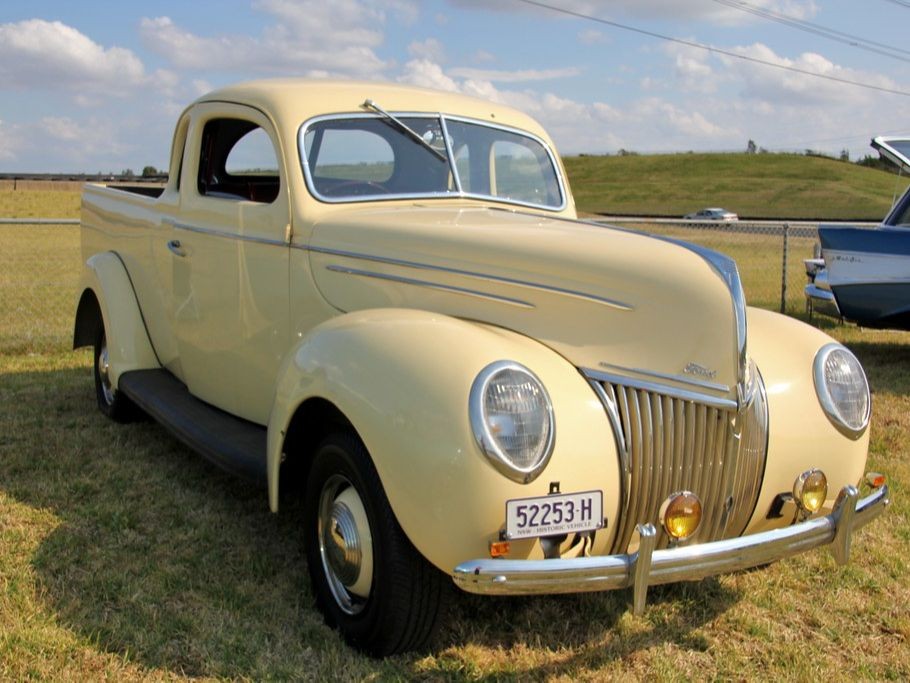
(680, 515)
(810, 491)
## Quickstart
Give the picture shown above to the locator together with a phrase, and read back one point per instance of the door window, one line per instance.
(237, 162)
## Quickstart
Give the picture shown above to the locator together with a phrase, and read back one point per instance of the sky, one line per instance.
(96, 86)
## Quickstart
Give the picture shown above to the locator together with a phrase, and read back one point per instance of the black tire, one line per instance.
(395, 607)
(111, 402)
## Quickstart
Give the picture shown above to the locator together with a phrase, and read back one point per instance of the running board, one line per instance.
(229, 442)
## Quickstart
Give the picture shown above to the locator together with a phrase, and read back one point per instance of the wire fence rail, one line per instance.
(40, 266)
(768, 254)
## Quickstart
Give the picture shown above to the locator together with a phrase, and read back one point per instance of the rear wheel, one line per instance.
(111, 402)
(369, 581)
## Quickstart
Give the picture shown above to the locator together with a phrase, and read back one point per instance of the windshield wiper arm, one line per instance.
(404, 128)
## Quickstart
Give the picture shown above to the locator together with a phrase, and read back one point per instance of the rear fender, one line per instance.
(106, 295)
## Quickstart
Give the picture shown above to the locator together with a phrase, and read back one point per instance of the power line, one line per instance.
(715, 50)
(901, 3)
(819, 30)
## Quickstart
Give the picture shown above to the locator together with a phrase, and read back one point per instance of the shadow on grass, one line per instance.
(165, 561)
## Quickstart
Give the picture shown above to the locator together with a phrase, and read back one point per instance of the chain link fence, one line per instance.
(768, 254)
(40, 265)
(39, 272)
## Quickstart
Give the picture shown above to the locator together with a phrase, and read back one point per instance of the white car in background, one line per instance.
(715, 214)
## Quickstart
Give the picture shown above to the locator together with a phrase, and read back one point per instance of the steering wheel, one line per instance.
(356, 188)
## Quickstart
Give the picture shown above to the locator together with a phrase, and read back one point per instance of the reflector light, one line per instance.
(680, 515)
(810, 490)
(499, 548)
(875, 480)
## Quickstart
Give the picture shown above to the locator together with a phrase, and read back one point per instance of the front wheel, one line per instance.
(369, 581)
(111, 402)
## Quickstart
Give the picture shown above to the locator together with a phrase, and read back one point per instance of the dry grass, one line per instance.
(124, 556)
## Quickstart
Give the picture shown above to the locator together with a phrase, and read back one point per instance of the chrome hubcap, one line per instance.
(345, 544)
(342, 544)
(104, 372)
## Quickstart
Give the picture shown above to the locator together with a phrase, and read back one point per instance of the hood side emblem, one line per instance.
(699, 371)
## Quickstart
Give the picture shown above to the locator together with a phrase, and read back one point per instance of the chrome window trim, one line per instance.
(458, 193)
(665, 389)
(431, 285)
(466, 273)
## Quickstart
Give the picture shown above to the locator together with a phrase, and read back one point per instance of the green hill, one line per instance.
(752, 185)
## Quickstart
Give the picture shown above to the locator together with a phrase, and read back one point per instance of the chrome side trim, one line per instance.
(430, 285)
(713, 386)
(684, 563)
(223, 233)
(666, 390)
(466, 273)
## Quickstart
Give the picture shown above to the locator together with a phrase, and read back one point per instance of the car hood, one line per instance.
(610, 300)
(895, 150)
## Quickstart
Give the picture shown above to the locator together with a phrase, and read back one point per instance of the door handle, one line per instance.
(176, 249)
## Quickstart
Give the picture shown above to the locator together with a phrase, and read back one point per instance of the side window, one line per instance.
(237, 161)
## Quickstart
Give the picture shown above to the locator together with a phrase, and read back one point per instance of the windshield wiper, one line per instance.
(404, 128)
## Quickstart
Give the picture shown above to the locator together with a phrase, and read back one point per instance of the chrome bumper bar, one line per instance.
(649, 567)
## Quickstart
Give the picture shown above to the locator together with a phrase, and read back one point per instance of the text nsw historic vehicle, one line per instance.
(379, 298)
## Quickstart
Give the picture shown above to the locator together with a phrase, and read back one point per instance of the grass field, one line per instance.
(785, 186)
(124, 556)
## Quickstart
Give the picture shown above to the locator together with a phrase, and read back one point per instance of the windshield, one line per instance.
(365, 157)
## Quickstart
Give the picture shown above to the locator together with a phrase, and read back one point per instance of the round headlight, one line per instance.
(512, 419)
(810, 490)
(680, 515)
(842, 389)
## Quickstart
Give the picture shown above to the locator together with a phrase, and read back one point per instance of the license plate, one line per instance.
(552, 515)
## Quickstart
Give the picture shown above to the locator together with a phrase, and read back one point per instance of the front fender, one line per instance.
(402, 378)
(105, 277)
(800, 434)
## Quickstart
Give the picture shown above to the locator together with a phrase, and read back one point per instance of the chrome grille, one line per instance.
(669, 443)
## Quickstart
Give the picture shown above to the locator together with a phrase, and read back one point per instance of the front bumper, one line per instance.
(648, 567)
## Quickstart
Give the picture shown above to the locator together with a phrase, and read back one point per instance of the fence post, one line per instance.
(783, 274)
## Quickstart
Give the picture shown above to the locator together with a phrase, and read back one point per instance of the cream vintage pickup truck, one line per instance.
(380, 297)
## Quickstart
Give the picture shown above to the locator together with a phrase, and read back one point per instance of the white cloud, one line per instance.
(519, 76)
(481, 56)
(49, 54)
(667, 10)
(591, 37)
(781, 86)
(10, 142)
(307, 37)
(426, 74)
(692, 69)
(430, 49)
